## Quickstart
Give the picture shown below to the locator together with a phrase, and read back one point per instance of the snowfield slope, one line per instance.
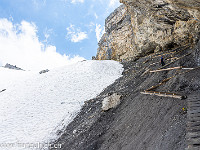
(34, 107)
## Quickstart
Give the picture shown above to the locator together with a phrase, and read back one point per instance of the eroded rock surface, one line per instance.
(140, 27)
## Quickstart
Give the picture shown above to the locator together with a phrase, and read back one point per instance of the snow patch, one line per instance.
(35, 106)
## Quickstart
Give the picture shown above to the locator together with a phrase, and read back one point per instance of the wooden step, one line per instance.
(193, 124)
(193, 141)
(163, 94)
(167, 69)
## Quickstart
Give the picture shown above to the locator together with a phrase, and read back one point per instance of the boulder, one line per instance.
(111, 101)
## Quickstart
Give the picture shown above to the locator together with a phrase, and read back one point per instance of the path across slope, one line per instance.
(193, 123)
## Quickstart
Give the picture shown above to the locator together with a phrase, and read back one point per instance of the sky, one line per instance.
(36, 34)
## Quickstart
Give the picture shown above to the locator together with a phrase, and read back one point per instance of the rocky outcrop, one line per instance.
(188, 4)
(118, 40)
(44, 71)
(9, 66)
(137, 28)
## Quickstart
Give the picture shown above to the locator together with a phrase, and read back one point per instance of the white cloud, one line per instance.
(96, 16)
(113, 3)
(39, 3)
(77, 1)
(75, 35)
(99, 31)
(91, 26)
(11, 18)
(19, 45)
(47, 32)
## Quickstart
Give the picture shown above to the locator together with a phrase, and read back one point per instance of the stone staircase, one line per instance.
(193, 123)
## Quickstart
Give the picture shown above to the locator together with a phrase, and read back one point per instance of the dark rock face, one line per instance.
(9, 66)
(141, 27)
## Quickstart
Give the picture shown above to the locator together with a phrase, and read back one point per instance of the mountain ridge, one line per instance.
(138, 34)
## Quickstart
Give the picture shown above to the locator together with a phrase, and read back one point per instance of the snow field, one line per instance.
(35, 106)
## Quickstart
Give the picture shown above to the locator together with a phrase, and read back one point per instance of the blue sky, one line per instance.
(69, 25)
(73, 27)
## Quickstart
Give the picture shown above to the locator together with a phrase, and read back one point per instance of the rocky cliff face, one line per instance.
(140, 27)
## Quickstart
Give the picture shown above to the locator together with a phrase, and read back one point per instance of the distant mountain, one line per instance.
(9, 66)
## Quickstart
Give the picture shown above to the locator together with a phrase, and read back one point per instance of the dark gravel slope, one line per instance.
(140, 122)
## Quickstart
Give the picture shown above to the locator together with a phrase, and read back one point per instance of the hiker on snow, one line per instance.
(162, 61)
